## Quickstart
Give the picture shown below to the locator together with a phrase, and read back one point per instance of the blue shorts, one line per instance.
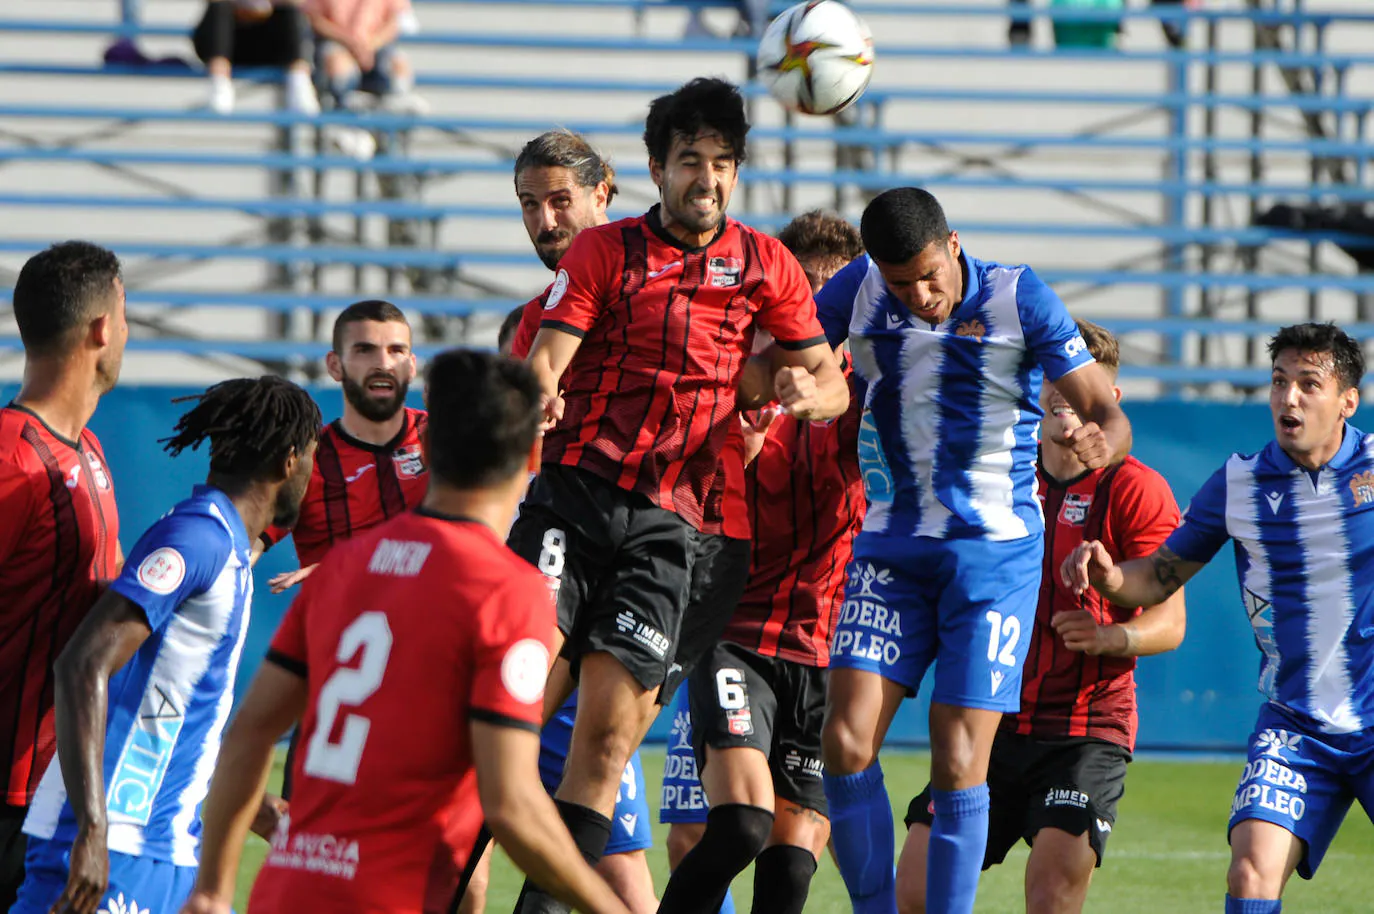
(966, 605)
(630, 826)
(683, 800)
(1304, 781)
(153, 885)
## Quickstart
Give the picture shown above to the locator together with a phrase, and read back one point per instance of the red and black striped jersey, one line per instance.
(355, 486)
(1065, 693)
(666, 329)
(59, 539)
(805, 499)
(725, 512)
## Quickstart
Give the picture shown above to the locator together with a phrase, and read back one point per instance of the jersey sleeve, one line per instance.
(1050, 332)
(1203, 530)
(786, 309)
(835, 300)
(17, 502)
(288, 644)
(1144, 513)
(272, 535)
(529, 325)
(511, 641)
(179, 557)
(579, 291)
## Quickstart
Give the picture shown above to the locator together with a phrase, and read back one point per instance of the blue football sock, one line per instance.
(958, 841)
(1252, 906)
(728, 905)
(861, 831)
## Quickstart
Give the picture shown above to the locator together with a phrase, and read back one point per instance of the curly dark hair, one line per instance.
(1347, 354)
(703, 105)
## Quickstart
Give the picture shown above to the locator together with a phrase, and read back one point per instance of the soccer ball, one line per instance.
(816, 57)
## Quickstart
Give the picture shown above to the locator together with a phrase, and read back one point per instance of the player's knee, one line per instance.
(682, 837)
(911, 892)
(738, 832)
(1057, 889)
(1246, 878)
(843, 749)
(600, 752)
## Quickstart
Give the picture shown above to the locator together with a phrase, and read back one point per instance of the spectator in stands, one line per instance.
(264, 33)
(355, 48)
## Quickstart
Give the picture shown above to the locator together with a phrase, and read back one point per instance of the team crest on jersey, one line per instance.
(724, 272)
(409, 462)
(557, 290)
(102, 480)
(1075, 509)
(973, 328)
(1362, 487)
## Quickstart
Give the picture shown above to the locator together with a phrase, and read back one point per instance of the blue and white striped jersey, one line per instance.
(168, 705)
(1304, 544)
(952, 411)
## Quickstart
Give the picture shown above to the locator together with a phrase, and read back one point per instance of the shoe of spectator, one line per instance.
(403, 103)
(221, 100)
(300, 93)
(356, 143)
(125, 52)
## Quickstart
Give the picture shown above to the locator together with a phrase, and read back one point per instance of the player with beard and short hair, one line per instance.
(369, 466)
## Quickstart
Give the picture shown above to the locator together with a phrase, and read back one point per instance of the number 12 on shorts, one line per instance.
(1003, 633)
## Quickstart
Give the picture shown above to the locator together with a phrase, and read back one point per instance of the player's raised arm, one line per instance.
(102, 644)
(524, 821)
(274, 702)
(1105, 435)
(1139, 582)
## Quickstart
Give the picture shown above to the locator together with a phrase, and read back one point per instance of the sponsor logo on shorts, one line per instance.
(1066, 796)
(645, 634)
(628, 822)
(868, 628)
(1271, 785)
(1273, 742)
(116, 904)
(1104, 826)
(680, 737)
(996, 677)
(740, 722)
(804, 765)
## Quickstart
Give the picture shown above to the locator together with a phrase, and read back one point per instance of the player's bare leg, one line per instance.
(628, 874)
(740, 786)
(1263, 857)
(613, 713)
(560, 684)
(783, 872)
(911, 871)
(1058, 873)
(960, 745)
(859, 708)
(475, 892)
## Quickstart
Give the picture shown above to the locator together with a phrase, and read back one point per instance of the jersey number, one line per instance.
(551, 555)
(338, 761)
(730, 689)
(1008, 632)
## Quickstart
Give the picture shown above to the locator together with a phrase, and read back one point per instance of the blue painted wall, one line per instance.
(1200, 697)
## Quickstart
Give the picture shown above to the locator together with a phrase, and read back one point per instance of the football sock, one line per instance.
(1253, 905)
(958, 841)
(735, 833)
(861, 829)
(590, 831)
(727, 906)
(782, 878)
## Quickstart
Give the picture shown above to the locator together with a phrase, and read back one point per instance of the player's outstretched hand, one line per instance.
(1089, 565)
(797, 391)
(270, 812)
(1081, 632)
(288, 579)
(1089, 444)
(87, 877)
(205, 903)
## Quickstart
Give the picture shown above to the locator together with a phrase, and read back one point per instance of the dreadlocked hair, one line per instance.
(253, 424)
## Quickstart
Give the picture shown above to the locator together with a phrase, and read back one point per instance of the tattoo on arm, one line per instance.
(1165, 564)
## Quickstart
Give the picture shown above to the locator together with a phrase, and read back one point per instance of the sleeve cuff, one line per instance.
(290, 664)
(794, 345)
(502, 720)
(563, 327)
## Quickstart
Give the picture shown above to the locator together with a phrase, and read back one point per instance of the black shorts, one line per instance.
(742, 699)
(12, 847)
(1070, 784)
(719, 575)
(620, 566)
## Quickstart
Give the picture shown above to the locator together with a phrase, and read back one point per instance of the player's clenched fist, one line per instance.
(1089, 565)
(204, 903)
(1089, 444)
(1080, 632)
(797, 391)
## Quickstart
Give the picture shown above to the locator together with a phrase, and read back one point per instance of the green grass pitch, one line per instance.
(1167, 854)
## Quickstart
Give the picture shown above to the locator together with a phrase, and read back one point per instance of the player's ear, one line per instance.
(1351, 402)
(334, 365)
(101, 331)
(954, 248)
(656, 171)
(1116, 392)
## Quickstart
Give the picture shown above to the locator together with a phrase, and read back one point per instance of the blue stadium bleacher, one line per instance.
(1133, 179)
